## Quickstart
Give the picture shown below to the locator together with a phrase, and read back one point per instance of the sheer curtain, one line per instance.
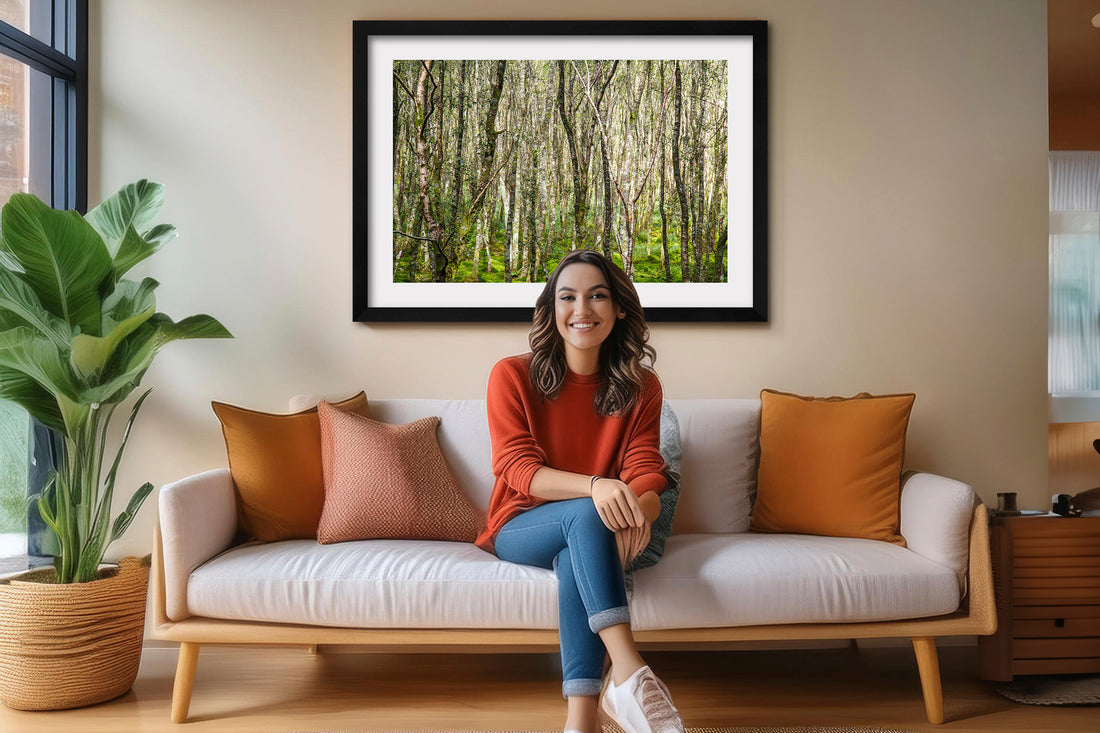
(1073, 353)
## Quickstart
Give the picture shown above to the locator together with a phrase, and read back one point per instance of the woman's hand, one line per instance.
(631, 541)
(616, 504)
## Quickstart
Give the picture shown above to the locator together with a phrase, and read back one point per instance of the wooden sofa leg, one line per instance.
(928, 664)
(185, 680)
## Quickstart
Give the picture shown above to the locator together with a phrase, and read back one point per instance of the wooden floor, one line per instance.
(292, 689)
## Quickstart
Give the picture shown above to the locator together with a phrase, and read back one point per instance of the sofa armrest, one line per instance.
(198, 520)
(935, 520)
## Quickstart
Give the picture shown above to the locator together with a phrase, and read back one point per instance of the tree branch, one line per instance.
(413, 236)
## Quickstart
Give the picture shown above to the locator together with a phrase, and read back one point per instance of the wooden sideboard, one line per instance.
(1046, 577)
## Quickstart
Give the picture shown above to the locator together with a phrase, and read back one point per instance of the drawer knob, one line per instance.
(1059, 622)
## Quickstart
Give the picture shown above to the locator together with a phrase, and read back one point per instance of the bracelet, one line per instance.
(592, 483)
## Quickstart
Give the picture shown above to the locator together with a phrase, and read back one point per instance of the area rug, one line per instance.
(1053, 689)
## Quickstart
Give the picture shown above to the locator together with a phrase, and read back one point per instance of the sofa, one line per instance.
(717, 583)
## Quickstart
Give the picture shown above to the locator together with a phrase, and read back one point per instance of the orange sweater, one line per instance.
(565, 434)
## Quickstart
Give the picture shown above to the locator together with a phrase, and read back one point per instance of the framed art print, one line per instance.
(485, 151)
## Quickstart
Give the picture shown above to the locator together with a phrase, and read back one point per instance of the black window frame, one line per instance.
(59, 99)
(65, 61)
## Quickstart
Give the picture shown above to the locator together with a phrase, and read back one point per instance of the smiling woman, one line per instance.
(575, 431)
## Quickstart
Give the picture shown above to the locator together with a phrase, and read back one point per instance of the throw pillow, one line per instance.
(662, 526)
(389, 481)
(275, 462)
(831, 466)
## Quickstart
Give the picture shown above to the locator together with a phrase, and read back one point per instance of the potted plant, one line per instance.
(76, 338)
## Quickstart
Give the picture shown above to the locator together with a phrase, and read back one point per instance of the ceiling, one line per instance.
(1073, 45)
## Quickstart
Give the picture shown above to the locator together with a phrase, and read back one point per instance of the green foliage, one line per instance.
(75, 340)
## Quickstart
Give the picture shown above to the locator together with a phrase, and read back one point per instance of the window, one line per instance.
(43, 150)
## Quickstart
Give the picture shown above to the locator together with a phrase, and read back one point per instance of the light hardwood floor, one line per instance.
(292, 689)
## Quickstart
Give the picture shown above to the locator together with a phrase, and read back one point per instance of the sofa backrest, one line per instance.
(719, 438)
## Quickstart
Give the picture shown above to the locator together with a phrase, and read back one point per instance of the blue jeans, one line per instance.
(569, 537)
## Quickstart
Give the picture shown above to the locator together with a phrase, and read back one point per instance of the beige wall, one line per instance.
(908, 221)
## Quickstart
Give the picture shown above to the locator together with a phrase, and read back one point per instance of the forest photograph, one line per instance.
(501, 167)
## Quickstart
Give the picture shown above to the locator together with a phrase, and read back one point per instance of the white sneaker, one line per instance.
(642, 704)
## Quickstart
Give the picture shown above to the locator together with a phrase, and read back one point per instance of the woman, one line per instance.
(575, 428)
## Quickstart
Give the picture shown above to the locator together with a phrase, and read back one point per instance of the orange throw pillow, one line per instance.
(831, 466)
(389, 481)
(275, 461)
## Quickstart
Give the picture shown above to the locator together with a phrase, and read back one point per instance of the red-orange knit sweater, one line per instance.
(566, 434)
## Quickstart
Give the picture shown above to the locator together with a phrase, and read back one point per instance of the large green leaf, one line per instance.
(136, 247)
(91, 353)
(136, 352)
(128, 299)
(125, 222)
(32, 397)
(17, 299)
(22, 350)
(64, 260)
(127, 308)
(134, 204)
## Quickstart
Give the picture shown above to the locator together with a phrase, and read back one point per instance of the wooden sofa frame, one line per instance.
(977, 615)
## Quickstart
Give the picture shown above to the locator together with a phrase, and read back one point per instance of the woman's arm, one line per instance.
(554, 485)
(615, 502)
(516, 455)
(643, 466)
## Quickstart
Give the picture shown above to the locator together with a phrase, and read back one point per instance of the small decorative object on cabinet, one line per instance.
(1046, 574)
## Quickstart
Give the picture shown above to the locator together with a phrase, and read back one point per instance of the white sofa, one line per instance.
(717, 583)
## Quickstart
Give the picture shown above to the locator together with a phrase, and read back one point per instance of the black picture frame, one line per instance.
(369, 304)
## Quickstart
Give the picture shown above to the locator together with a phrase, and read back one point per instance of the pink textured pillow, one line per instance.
(389, 481)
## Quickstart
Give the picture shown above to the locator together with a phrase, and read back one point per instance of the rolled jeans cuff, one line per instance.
(581, 686)
(618, 615)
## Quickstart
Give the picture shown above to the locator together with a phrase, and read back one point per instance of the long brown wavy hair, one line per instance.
(621, 354)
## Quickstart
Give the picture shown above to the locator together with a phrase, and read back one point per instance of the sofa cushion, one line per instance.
(703, 580)
(275, 461)
(831, 466)
(718, 480)
(750, 578)
(389, 481)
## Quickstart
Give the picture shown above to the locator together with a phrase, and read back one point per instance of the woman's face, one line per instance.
(583, 310)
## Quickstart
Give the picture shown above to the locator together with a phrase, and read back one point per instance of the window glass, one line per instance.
(33, 17)
(14, 430)
(25, 103)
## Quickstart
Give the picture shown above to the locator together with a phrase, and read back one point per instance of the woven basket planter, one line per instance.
(66, 645)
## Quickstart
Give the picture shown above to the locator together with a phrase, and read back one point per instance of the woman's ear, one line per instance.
(622, 314)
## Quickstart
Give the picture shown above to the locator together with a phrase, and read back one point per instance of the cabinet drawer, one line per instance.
(1083, 562)
(1061, 567)
(1056, 648)
(1050, 612)
(1055, 666)
(1055, 593)
(1053, 628)
(1082, 546)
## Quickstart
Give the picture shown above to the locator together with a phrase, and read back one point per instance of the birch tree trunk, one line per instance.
(685, 231)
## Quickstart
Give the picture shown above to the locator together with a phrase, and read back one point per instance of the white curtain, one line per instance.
(1073, 353)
